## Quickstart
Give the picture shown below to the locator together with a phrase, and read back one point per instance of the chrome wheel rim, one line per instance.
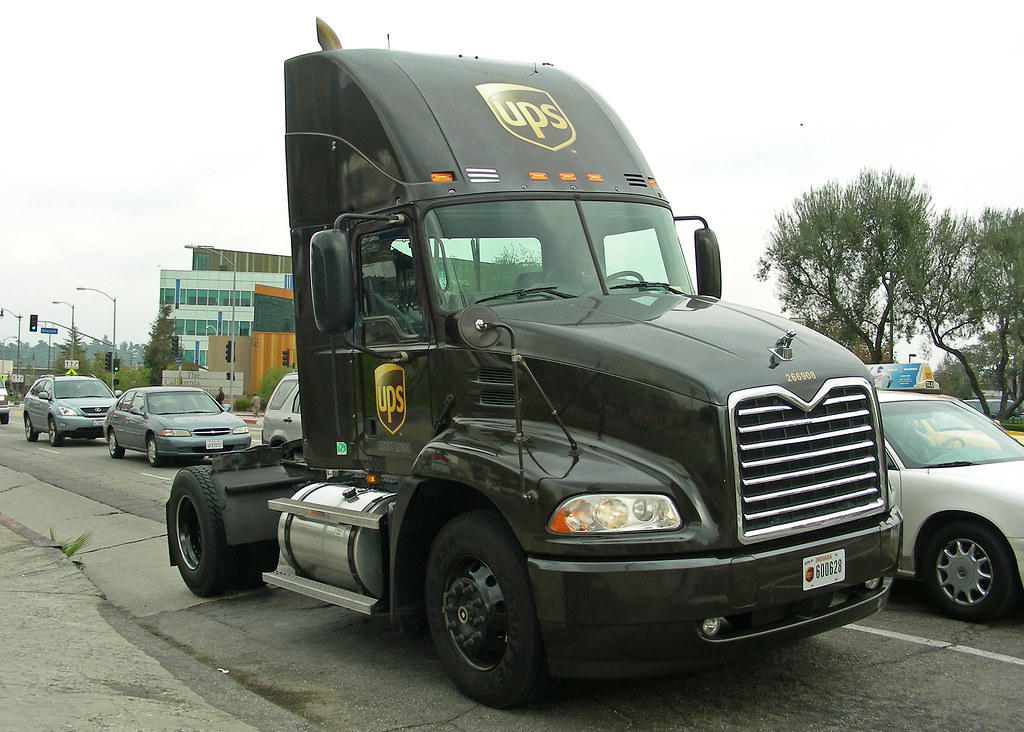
(964, 572)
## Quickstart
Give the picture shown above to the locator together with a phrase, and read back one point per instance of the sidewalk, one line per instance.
(72, 661)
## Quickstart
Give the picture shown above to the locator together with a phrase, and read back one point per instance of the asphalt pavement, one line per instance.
(72, 660)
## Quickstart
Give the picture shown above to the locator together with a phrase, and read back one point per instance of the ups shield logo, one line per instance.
(529, 114)
(389, 383)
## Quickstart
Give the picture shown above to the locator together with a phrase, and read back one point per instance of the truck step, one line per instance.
(325, 514)
(322, 591)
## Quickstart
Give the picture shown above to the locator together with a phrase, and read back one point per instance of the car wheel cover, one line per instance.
(964, 572)
(151, 450)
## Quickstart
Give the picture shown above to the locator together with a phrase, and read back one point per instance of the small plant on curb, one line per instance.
(70, 547)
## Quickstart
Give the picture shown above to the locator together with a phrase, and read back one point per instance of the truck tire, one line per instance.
(970, 572)
(480, 612)
(195, 527)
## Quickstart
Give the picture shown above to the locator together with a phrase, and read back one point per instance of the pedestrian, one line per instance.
(255, 405)
(220, 396)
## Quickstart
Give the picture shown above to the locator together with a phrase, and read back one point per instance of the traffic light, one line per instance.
(33, 323)
(108, 360)
(117, 365)
(175, 345)
(285, 360)
(227, 351)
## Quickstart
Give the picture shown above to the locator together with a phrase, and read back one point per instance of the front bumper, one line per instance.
(636, 618)
(194, 446)
(85, 427)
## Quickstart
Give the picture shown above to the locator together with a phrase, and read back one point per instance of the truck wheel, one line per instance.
(30, 434)
(195, 528)
(56, 438)
(480, 612)
(969, 571)
(256, 558)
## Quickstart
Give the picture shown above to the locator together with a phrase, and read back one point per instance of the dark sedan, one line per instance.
(172, 421)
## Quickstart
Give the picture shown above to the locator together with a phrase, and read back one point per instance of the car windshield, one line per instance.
(182, 402)
(929, 433)
(508, 251)
(81, 389)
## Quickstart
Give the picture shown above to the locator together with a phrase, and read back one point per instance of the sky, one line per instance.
(129, 130)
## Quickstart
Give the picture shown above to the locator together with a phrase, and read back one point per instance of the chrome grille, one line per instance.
(94, 411)
(803, 465)
(211, 431)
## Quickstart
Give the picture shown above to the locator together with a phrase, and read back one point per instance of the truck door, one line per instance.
(394, 396)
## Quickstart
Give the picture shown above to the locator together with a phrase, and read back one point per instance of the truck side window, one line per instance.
(390, 298)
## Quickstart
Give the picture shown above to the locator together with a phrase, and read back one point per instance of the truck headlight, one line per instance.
(614, 512)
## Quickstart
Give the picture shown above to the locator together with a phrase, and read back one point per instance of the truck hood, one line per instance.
(696, 346)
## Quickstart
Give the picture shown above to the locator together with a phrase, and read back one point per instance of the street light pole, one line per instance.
(113, 335)
(234, 323)
(74, 333)
(19, 345)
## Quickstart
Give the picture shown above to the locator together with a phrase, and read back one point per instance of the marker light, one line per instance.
(442, 177)
(538, 176)
(598, 513)
(567, 176)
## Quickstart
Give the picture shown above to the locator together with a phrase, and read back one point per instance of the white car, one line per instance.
(959, 480)
(5, 405)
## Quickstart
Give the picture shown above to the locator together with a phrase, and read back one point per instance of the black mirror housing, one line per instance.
(331, 281)
(709, 263)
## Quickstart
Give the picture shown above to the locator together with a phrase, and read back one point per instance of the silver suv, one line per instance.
(66, 406)
(282, 420)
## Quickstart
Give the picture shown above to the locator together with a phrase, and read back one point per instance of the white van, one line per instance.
(282, 420)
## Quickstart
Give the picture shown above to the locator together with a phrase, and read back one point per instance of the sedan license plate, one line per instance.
(824, 569)
(215, 444)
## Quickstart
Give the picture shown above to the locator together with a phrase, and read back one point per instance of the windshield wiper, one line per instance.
(552, 289)
(644, 285)
(954, 464)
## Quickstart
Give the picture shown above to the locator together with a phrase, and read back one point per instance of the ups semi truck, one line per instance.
(525, 427)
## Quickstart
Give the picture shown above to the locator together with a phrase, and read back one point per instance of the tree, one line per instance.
(963, 287)
(159, 353)
(72, 350)
(841, 258)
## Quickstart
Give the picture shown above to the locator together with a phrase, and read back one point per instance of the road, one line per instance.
(905, 668)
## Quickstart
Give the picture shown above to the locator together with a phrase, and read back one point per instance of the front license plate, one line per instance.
(97, 423)
(824, 569)
(215, 444)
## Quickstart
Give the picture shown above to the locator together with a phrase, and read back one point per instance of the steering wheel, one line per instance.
(952, 443)
(626, 273)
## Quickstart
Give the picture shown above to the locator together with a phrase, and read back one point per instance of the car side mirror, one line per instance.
(44, 394)
(331, 281)
(136, 411)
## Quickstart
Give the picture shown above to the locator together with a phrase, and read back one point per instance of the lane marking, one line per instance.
(160, 477)
(939, 644)
(46, 449)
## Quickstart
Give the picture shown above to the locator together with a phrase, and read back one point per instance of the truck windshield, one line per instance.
(506, 251)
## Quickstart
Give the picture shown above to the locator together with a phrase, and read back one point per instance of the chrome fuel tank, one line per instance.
(339, 554)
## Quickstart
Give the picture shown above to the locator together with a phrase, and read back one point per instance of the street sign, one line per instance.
(71, 363)
(49, 331)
